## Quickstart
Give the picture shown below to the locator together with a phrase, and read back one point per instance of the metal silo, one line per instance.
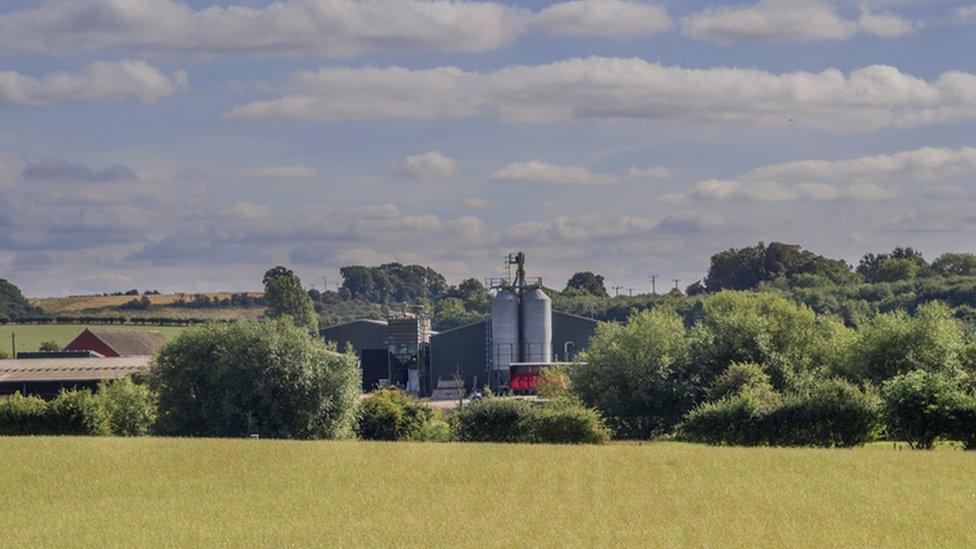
(504, 330)
(537, 327)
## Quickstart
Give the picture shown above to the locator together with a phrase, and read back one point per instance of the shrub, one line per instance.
(740, 377)
(76, 413)
(921, 406)
(436, 429)
(23, 415)
(568, 423)
(635, 376)
(270, 378)
(494, 420)
(391, 414)
(130, 407)
(833, 413)
(964, 424)
(735, 419)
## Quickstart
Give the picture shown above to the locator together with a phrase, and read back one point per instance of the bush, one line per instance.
(568, 423)
(270, 378)
(740, 377)
(23, 415)
(920, 407)
(494, 420)
(833, 413)
(76, 413)
(436, 429)
(391, 414)
(964, 424)
(130, 407)
(735, 420)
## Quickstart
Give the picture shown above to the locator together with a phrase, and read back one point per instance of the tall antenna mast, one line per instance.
(653, 284)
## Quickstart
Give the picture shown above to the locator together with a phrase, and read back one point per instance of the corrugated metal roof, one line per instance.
(71, 369)
(130, 342)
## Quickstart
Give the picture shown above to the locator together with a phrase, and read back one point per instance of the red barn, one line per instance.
(113, 343)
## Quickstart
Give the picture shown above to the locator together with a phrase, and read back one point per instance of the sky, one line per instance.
(191, 145)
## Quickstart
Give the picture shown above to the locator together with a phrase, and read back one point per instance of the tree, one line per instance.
(634, 374)
(747, 268)
(49, 346)
(13, 304)
(393, 283)
(955, 264)
(906, 263)
(896, 343)
(473, 294)
(276, 273)
(130, 407)
(588, 282)
(921, 407)
(285, 296)
(269, 378)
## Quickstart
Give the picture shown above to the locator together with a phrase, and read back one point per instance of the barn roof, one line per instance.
(130, 342)
(71, 369)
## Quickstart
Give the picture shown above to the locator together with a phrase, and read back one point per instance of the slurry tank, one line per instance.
(504, 330)
(537, 327)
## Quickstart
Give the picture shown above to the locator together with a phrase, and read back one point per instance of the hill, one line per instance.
(13, 304)
(199, 492)
(209, 306)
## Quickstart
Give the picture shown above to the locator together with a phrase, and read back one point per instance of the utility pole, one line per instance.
(616, 290)
(653, 284)
(676, 281)
(13, 345)
(630, 291)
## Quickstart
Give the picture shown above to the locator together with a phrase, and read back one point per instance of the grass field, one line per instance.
(30, 337)
(178, 492)
(78, 304)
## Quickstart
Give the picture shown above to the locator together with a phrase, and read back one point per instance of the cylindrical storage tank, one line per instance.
(537, 328)
(504, 330)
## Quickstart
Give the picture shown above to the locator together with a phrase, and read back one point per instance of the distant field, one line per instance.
(77, 304)
(30, 337)
(180, 492)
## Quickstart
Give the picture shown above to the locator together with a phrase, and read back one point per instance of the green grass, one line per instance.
(30, 337)
(179, 492)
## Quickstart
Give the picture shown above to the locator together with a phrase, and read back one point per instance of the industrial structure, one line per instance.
(505, 351)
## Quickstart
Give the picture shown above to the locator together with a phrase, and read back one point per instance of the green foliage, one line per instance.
(587, 283)
(567, 422)
(747, 268)
(900, 264)
(736, 419)
(130, 407)
(740, 377)
(895, 343)
(49, 346)
(494, 420)
(23, 415)
(76, 413)
(964, 423)
(285, 297)
(833, 413)
(392, 283)
(554, 383)
(391, 414)
(634, 374)
(953, 264)
(920, 407)
(269, 378)
(13, 304)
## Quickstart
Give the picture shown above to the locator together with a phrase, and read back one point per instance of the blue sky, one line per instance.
(190, 145)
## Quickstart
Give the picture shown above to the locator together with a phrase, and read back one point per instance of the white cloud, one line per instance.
(773, 21)
(535, 171)
(652, 172)
(605, 18)
(477, 203)
(608, 89)
(927, 163)
(429, 165)
(332, 29)
(465, 227)
(886, 25)
(774, 191)
(99, 81)
(281, 171)
(851, 179)
(325, 28)
(964, 15)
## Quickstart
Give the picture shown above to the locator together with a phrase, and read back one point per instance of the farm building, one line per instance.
(46, 377)
(116, 343)
(506, 350)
